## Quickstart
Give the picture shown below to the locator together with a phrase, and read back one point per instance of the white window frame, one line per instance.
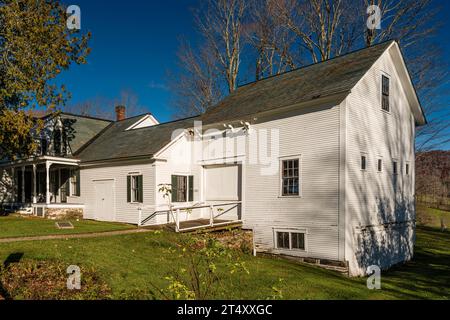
(382, 165)
(363, 154)
(407, 168)
(290, 231)
(398, 166)
(71, 190)
(382, 73)
(280, 178)
(133, 176)
(186, 175)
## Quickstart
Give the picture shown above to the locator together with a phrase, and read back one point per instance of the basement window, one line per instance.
(290, 240)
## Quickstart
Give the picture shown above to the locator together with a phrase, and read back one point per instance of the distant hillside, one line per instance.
(433, 178)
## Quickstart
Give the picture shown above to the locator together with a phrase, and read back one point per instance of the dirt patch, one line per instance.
(237, 239)
(47, 280)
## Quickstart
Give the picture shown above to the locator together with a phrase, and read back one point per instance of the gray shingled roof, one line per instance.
(84, 129)
(116, 142)
(338, 75)
(323, 79)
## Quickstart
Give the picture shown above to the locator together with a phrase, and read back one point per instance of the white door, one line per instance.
(223, 183)
(104, 200)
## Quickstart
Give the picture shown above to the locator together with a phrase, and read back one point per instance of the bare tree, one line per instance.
(197, 86)
(102, 107)
(323, 28)
(221, 25)
(272, 42)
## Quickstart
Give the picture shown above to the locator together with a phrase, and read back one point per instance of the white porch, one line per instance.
(43, 183)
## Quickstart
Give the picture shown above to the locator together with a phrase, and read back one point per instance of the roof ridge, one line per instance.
(315, 63)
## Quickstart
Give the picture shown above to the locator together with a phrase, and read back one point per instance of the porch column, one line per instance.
(47, 182)
(23, 184)
(13, 185)
(34, 185)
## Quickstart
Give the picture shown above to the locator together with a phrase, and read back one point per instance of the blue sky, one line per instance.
(134, 43)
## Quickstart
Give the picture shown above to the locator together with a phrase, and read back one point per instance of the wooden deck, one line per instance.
(200, 225)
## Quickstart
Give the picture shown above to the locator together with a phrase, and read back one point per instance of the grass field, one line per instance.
(15, 227)
(432, 217)
(134, 264)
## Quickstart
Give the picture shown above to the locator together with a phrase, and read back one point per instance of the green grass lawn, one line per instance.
(14, 227)
(131, 264)
(432, 217)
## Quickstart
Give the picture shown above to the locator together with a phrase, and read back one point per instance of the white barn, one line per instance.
(318, 162)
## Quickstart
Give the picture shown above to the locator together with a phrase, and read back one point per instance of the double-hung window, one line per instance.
(182, 188)
(290, 240)
(290, 177)
(135, 190)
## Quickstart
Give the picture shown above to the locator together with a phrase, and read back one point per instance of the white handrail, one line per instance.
(171, 209)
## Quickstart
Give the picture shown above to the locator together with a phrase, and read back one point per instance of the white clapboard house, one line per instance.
(318, 162)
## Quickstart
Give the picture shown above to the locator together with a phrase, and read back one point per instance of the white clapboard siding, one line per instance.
(370, 196)
(314, 136)
(178, 160)
(124, 212)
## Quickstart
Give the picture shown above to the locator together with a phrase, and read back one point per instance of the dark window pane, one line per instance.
(283, 240)
(385, 93)
(380, 165)
(395, 167)
(298, 241)
(363, 163)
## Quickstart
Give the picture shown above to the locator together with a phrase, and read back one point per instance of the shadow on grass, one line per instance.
(12, 258)
(428, 272)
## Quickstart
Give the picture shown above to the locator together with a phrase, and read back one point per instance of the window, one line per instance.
(379, 165)
(290, 240)
(298, 241)
(57, 142)
(407, 169)
(395, 168)
(135, 189)
(385, 93)
(182, 188)
(283, 240)
(44, 146)
(363, 162)
(75, 183)
(290, 177)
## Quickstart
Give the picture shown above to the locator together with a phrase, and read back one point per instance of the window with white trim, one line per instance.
(290, 240)
(407, 168)
(135, 188)
(380, 165)
(290, 177)
(363, 162)
(385, 92)
(75, 182)
(394, 167)
(182, 188)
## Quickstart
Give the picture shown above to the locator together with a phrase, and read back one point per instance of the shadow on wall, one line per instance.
(390, 243)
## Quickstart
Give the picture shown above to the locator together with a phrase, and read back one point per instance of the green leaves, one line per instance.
(35, 46)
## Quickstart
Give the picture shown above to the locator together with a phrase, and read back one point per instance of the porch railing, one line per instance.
(175, 213)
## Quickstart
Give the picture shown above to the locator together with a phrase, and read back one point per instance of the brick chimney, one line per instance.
(120, 113)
